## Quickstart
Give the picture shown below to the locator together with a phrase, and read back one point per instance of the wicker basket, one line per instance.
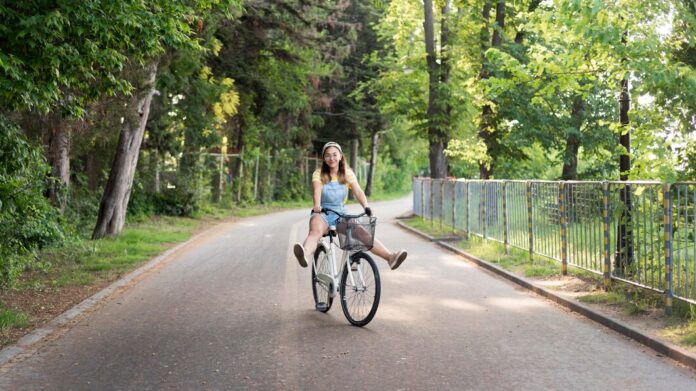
(356, 233)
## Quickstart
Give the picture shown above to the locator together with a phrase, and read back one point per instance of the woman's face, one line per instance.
(332, 156)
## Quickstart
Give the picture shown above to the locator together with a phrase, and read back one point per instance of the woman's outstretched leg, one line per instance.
(394, 259)
(304, 251)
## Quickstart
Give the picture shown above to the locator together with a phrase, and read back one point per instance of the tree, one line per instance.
(170, 27)
(438, 73)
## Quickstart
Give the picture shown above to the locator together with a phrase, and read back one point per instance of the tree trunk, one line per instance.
(114, 203)
(444, 92)
(59, 154)
(436, 133)
(373, 163)
(570, 160)
(485, 132)
(500, 23)
(93, 168)
(625, 137)
(238, 166)
(438, 161)
(155, 163)
(623, 258)
(519, 36)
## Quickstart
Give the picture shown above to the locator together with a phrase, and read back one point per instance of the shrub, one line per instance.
(27, 220)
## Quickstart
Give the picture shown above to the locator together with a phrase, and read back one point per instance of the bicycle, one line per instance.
(359, 285)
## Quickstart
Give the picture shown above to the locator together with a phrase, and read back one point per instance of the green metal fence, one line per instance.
(638, 232)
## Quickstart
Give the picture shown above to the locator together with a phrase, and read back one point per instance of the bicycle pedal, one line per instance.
(322, 307)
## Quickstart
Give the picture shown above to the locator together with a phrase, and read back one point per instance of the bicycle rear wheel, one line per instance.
(322, 295)
(360, 296)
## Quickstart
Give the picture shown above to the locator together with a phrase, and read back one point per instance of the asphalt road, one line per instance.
(234, 311)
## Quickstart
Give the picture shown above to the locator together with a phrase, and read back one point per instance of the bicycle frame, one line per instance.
(330, 281)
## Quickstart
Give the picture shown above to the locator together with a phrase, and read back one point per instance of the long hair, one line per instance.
(326, 171)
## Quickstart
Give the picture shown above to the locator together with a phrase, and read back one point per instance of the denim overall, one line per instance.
(333, 195)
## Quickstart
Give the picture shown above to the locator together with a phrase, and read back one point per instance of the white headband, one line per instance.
(331, 144)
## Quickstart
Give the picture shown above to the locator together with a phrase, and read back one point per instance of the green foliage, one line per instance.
(49, 52)
(27, 221)
(396, 165)
(603, 298)
(12, 319)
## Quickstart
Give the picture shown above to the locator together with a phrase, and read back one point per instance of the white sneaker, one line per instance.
(300, 254)
(397, 259)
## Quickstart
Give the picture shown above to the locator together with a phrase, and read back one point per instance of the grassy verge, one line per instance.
(633, 301)
(67, 274)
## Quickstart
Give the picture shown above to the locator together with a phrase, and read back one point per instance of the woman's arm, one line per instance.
(359, 194)
(316, 195)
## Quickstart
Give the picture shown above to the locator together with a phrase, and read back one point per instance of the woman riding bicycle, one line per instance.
(330, 186)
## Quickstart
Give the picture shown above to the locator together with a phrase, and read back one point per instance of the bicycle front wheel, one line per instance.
(360, 294)
(321, 293)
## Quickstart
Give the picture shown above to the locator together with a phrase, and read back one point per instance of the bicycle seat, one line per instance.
(332, 231)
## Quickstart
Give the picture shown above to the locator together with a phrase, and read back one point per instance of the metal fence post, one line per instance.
(422, 198)
(466, 217)
(240, 180)
(269, 170)
(454, 207)
(563, 221)
(256, 176)
(482, 208)
(605, 216)
(506, 241)
(442, 201)
(530, 220)
(431, 202)
(667, 201)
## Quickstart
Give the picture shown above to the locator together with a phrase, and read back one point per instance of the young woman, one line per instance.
(330, 186)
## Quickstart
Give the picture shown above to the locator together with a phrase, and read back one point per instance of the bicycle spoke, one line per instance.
(361, 297)
(322, 293)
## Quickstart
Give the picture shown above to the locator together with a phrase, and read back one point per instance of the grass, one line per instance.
(612, 298)
(10, 320)
(13, 319)
(429, 227)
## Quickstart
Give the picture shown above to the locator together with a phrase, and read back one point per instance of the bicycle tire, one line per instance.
(360, 306)
(321, 295)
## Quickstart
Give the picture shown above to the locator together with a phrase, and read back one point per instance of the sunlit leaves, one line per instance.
(54, 53)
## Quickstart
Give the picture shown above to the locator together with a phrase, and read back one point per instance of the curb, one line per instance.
(665, 348)
(25, 343)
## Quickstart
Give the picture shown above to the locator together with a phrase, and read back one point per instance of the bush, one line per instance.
(175, 202)
(27, 220)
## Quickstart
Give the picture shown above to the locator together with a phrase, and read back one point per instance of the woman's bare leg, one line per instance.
(379, 249)
(393, 259)
(317, 228)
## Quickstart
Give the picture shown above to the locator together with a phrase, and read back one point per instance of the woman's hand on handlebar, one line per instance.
(316, 209)
(368, 211)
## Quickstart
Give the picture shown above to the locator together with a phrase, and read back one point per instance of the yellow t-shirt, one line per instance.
(350, 177)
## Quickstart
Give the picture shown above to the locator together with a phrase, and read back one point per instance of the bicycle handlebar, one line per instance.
(345, 216)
